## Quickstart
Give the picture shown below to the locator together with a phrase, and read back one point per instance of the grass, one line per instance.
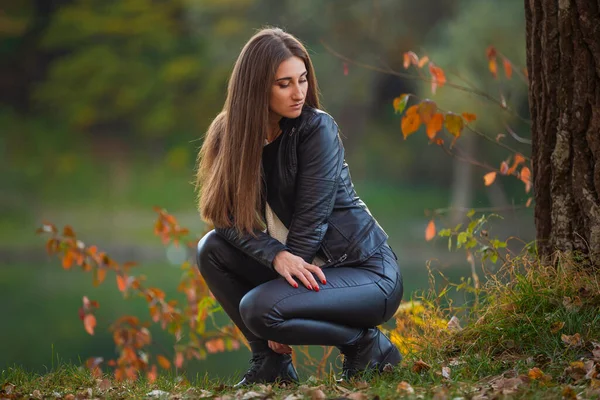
(530, 331)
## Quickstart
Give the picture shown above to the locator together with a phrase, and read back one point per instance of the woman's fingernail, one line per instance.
(296, 285)
(324, 281)
(310, 287)
(316, 288)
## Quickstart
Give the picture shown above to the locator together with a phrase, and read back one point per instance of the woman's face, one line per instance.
(289, 89)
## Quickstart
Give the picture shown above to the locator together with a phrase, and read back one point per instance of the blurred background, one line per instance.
(103, 106)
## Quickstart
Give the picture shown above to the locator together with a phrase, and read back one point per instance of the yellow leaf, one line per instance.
(427, 109)
(435, 125)
(469, 117)
(430, 231)
(489, 178)
(493, 67)
(410, 122)
(535, 373)
(556, 326)
(163, 362)
(454, 124)
(400, 103)
(89, 323)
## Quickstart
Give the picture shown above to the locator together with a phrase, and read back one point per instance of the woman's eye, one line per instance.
(283, 86)
(305, 80)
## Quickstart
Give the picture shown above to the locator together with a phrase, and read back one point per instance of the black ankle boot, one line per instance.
(370, 353)
(268, 367)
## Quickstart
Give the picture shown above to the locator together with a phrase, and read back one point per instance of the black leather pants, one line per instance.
(265, 306)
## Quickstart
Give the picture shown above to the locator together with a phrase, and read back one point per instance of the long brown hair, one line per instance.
(229, 165)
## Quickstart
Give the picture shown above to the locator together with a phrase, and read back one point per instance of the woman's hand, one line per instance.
(279, 347)
(290, 266)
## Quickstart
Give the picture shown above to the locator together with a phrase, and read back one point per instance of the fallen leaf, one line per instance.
(446, 372)
(404, 388)
(158, 394)
(572, 305)
(357, 396)
(454, 324)
(430, 231)
(572, 340)
(568, 393)
(556, 326)
(419, 366)
(104, 385)
(537, 374)
(576, 370)
(596, 351)
(316, 394)
(507, 385)
(489, 178)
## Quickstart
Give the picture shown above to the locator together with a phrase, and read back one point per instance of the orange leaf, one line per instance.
(518, 160)
(410, 122)
(100, 276)
(507, 67)
(490, 52)
(179, 359)
(435, 125)
(68, 259)
(423, 61)
(469, 117)
(427, 109)
(528, 202)
(410, 58)
(438, 78)
(400, 103)
(525, 176)
(439, 141)
(489, 178)
(163, 362)
(68, 231)
(454, 124)
(152, 374)
(493, 67)
(89, 323)
(535, 373)
(122, 282)
(430, 231)
(503, 168)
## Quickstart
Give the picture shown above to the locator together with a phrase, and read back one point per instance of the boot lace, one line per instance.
(255, 364)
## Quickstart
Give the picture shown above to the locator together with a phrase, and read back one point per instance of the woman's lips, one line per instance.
(296, 106)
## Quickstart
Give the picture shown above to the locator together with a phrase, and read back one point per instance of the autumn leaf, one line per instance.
(572, 340)
(469, 117)
(410, 58)
(556, 326)
(454, 324)
(178, 359)
(454, 124)
(419, 366)
(345, 69)
(504, 168)
(438, 78)
(427, 109)
(528, 203)
(507, 68)
(430, 231)
(435, 125)
(490, 52)
(525, 176)
(516, 162)
(535, 373)
(100, 276)
(68, 231)
(68, 259)
(489, 178)
(400, 103)
(163, 362)
(410, 122)
(423, 61)
(493, 66)
(122, 282)
(404, 388)
(152, 374)
(89, 323)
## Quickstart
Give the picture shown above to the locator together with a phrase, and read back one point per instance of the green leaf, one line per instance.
(461, 239)
(450, 243)
(498, 244)
(471, 213)
(494, 257)
(400, 103)
(445, 232)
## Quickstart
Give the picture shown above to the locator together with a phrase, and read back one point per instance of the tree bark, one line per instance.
(563, 64)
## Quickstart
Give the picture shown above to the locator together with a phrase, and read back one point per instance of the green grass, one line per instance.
(512, 344)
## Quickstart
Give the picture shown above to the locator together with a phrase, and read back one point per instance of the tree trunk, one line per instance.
(563, 63)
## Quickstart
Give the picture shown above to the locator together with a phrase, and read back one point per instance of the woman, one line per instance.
(296, 257)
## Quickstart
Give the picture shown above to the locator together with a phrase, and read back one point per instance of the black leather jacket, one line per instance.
(314, 197)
